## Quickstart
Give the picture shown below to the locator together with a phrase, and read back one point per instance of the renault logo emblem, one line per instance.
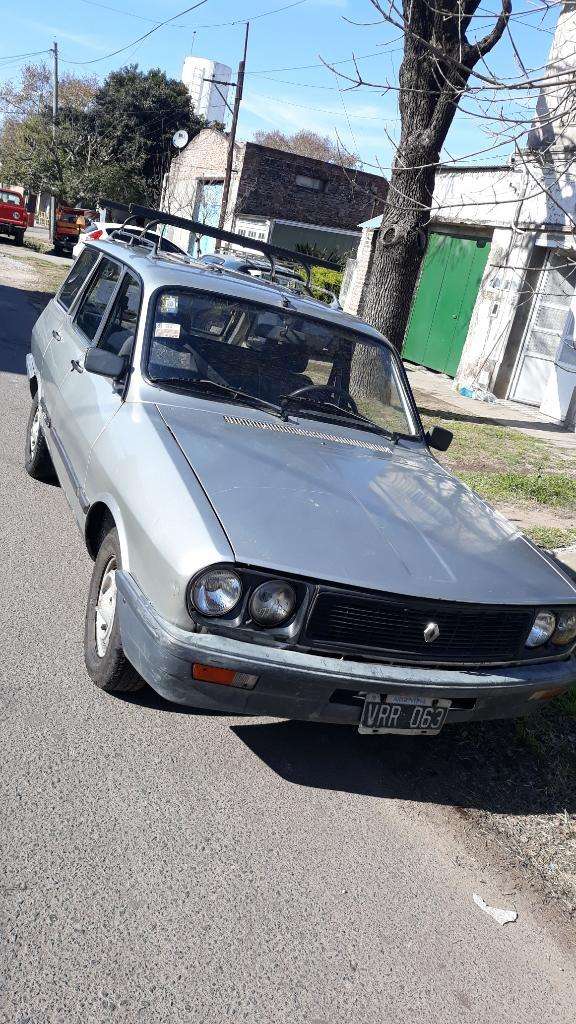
(431, 632)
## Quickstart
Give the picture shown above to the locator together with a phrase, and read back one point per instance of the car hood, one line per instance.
(392, 520)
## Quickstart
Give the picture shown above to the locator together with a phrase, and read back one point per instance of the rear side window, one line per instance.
(77, 276)
(118, 335)
(97, 297)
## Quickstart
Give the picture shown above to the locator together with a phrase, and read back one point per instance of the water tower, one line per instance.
(208, 99)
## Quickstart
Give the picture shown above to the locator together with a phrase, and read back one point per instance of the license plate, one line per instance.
(410, 716)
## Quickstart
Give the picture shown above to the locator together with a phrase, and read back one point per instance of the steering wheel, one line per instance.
(327, 390)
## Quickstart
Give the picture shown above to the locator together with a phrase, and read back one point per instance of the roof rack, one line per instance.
(271, 252)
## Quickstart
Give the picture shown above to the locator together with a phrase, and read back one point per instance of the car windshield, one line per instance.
(10, 197)
(219, 345)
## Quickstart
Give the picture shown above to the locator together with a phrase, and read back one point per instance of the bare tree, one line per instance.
(439, 59)
(308, 143)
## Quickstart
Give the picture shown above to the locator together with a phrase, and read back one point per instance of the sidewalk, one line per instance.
(435, 393)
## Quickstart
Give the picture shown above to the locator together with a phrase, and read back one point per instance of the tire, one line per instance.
(18, 237)
(105, 660)
(37, 461)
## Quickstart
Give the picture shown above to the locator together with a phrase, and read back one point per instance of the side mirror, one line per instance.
(439, 438)
(105, 364)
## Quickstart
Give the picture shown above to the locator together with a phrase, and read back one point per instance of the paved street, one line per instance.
(160, 865)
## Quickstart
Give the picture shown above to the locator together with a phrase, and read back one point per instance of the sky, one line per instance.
(287, 86)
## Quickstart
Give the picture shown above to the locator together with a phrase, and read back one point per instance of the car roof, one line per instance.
(160, 270)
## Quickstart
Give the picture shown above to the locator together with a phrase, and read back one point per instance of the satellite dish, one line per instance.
(180, 138)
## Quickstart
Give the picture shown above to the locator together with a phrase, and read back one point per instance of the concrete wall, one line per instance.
(204, 158)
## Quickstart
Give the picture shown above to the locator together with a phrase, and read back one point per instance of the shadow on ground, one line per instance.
(503, 767)
(19, 310)
(493, 421)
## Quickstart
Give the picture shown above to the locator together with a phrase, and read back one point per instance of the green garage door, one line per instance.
(444, 300)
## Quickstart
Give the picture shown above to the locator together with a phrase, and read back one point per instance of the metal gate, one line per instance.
(444, 300)
(548, 332)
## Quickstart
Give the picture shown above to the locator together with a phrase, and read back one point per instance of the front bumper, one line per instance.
(310, 687)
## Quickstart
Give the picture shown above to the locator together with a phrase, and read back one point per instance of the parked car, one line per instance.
(255, 268)
(271, 537)
(66, 228)
(13, 215)
(100, 231)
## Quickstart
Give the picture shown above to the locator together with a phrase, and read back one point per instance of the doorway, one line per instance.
(444, 300)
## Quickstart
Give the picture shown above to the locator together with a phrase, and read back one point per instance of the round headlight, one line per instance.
(565, 631)
(216, 592)
(272, 603)
(544, 626)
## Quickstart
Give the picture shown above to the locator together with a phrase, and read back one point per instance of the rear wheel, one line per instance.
(105, 660)
(37, 459)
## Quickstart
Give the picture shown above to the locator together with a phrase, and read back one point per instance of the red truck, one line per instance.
(13, 215)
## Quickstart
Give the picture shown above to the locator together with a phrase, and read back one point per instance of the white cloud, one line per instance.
(80, 38)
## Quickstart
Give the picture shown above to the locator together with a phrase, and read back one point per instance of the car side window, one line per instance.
(77, 276)
(119, 332)
(97, 297)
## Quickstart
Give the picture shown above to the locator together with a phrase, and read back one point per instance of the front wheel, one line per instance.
(18, 237)
(105, 660)
(37, 460)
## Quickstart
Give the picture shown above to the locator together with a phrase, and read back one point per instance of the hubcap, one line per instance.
(106, 608)
(34, 431)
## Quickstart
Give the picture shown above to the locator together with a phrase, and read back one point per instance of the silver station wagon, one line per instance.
(271, 533)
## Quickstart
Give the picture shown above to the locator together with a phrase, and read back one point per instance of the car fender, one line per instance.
(96, 512)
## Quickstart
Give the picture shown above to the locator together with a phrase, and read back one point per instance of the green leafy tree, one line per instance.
(112, 140)
(137, 114)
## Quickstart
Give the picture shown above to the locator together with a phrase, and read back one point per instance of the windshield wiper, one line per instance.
(337, 415)
(207, 386)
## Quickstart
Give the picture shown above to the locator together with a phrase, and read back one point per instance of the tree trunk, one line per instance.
(399, 249)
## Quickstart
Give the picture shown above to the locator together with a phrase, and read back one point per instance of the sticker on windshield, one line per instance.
(168, 304)
(163, 330)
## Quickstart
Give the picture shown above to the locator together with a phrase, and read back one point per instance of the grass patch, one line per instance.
(567, 703)
(556, 490)
(484, 448)
(551, 536)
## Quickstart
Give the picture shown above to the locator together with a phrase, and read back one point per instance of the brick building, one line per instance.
(274, 195)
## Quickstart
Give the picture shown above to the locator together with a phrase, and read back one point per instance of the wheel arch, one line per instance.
(32, 374)
(105, 509)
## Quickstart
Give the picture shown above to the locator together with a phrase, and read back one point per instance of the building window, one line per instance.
(312, 184)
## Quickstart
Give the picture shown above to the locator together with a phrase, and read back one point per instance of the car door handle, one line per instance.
(76, 366)
(56, 336)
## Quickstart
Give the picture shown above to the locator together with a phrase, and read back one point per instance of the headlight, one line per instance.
(272, 603)
(216, 592)
(565, 631)
(544, 626)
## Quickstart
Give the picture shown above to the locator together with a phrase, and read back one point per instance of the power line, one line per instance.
(140, 39)
(17, 56)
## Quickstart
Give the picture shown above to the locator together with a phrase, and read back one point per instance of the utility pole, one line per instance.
(54, 52)
(232, 136)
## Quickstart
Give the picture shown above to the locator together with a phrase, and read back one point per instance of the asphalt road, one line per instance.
(159, 865)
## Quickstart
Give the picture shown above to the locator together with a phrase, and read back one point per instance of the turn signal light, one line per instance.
(223, 676)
